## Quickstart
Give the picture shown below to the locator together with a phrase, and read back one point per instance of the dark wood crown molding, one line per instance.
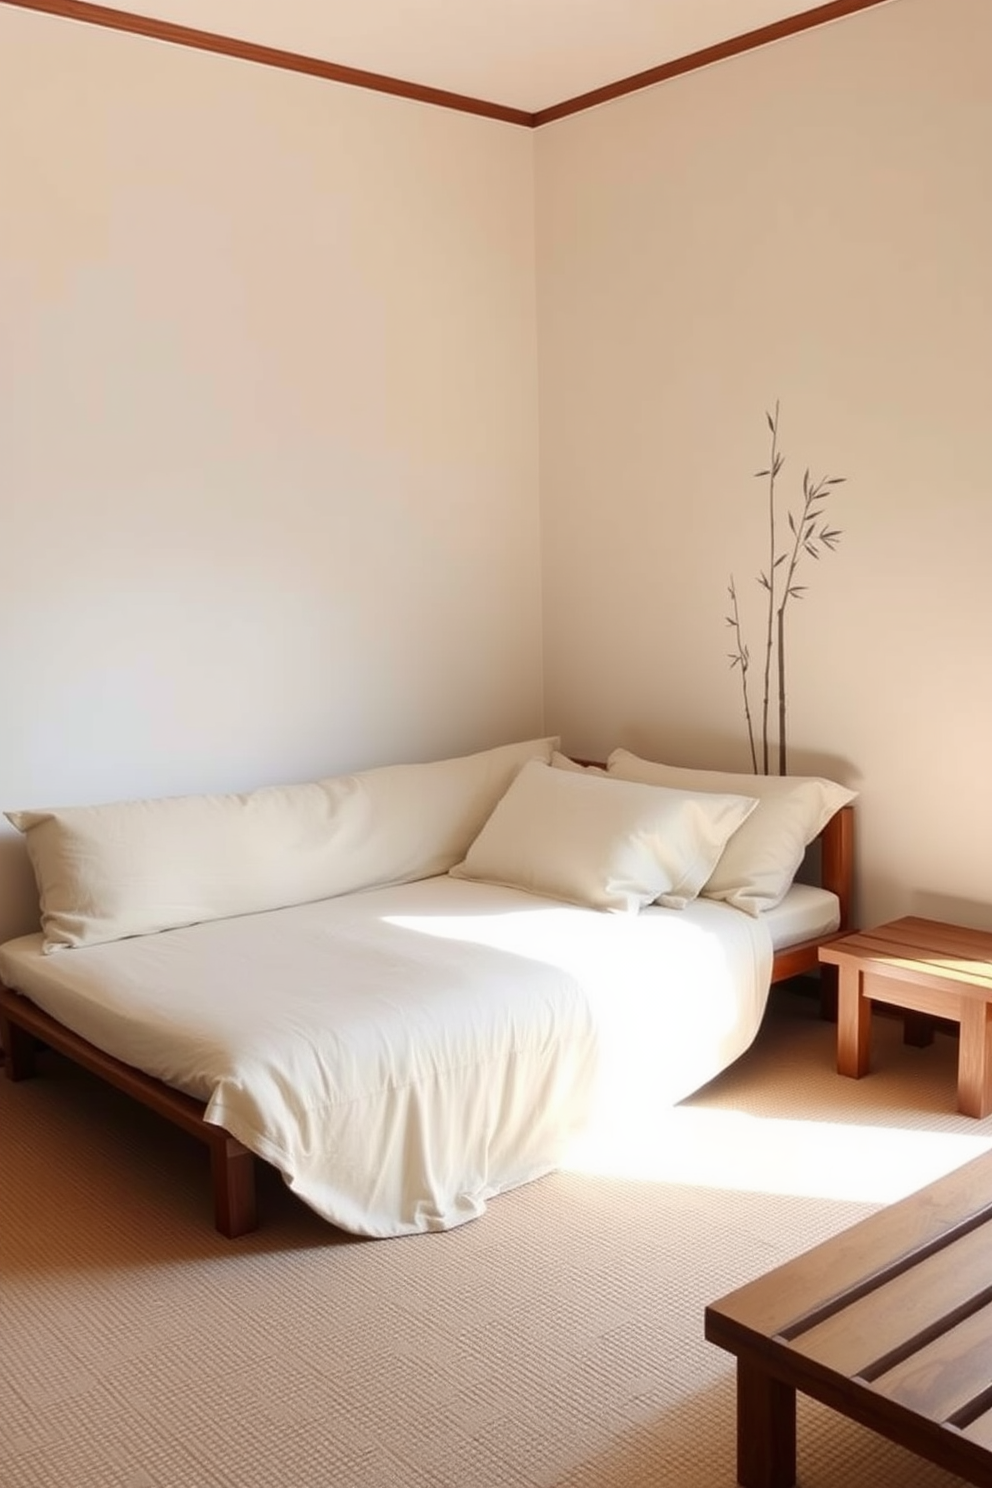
(355, 77)
(732, 47)
(250, 51)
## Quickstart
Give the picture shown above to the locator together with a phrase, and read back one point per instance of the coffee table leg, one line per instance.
(853, 1024)
(975, 1058)
(766, 1429)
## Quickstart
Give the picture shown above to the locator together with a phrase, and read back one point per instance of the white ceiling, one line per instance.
(523, 54)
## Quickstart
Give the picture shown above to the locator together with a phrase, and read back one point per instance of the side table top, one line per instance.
(944, 954)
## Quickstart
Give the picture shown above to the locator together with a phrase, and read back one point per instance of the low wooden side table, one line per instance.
(944, 971)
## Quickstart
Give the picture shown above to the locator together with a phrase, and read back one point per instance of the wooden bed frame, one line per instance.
(836, 845)
(23, 1026)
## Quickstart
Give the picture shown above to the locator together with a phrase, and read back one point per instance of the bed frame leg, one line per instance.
(233, 1170)
(18, 1050)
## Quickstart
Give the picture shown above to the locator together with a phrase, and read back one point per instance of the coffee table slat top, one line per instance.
(889, 1322)
(893, 1237)
(947, 1377)
(858, 1338)
(980, 1431)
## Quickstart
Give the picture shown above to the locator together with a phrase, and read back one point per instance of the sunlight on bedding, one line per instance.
(808, 1159)
(568, 937)
(675, 995)
(403, 1055)
(626, 961)
(636, 1131)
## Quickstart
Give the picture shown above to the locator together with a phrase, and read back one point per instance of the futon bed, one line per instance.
(406, 1047)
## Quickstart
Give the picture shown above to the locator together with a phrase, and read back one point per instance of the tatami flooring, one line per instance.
(554, 1343)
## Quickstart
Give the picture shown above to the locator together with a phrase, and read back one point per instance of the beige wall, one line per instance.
(268, 426)
(811, 223)
(269, 408)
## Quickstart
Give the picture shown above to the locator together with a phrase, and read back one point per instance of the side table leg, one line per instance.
(766, 1429)
(853, 1024)
(975, 1058)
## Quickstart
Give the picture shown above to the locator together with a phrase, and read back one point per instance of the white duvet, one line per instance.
(403, 1054)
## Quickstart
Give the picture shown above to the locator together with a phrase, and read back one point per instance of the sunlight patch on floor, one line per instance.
(736, 1150)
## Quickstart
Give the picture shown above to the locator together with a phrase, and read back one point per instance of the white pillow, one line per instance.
(761, 860)
(603, 843)
(416, 821)
(136, 867)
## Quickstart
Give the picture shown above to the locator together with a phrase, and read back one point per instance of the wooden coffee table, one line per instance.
(926, 967)
(889, 1323)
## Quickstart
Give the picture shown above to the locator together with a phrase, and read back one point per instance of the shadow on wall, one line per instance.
(724, 751)
(892, 901)
(932, 905)
(19, 913)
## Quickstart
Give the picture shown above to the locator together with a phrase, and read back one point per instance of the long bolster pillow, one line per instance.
(137, 867)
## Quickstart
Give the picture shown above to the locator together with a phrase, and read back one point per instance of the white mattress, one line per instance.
(805, 913)
(403, 1054)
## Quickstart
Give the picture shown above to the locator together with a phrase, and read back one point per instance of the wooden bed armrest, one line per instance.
(836, 874)
(837, 861)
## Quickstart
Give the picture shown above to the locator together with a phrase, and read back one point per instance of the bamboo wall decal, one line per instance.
(768, 580)
(812, 537)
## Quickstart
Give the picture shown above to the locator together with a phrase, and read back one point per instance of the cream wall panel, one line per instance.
(268, 426)
(811, 222)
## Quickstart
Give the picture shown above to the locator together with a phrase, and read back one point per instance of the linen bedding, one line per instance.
(403, 1054)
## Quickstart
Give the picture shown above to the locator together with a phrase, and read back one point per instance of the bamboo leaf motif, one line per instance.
(774, 468)
(811, 536)
(741, 659)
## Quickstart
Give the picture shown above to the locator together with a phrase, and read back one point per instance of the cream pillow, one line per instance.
(416, 821)
(603, 843)
(761, 860)
(136, 867)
